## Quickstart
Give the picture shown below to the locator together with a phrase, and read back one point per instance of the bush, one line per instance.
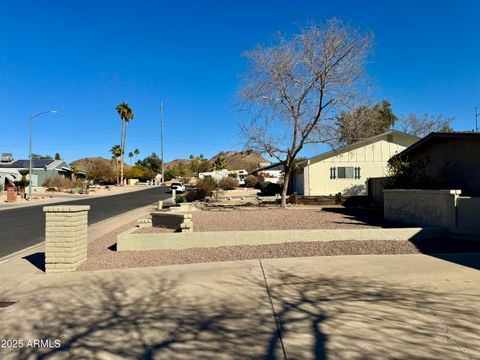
(270, 189)
(179, 199)
(204, 188)
(59, 182)
(21, 184)
(228, 183)
(250, 181)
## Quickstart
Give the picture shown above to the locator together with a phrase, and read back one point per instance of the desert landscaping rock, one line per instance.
(152, 230)
(102, 254)
(288, 219)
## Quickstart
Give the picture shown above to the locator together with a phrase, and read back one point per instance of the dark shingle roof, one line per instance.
(434, 136)
(25, 164)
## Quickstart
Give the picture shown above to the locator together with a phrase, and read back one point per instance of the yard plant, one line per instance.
(297, 86)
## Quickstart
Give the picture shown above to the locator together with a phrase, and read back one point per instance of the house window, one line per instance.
(345, 172)
(390, 138)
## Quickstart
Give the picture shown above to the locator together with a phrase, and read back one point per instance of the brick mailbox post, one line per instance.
(11, 193)
(65, 237)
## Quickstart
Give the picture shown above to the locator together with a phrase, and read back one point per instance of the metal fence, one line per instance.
(375, 188)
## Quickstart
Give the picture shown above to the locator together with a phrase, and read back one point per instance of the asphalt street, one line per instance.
(23, 227)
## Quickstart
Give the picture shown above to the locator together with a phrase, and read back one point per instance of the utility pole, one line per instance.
(161, 139)
(476, 119)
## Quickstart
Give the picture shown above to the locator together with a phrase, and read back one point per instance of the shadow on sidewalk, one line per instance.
(36, 259)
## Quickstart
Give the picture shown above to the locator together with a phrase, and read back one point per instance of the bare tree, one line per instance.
(296, 87)
(415, 125)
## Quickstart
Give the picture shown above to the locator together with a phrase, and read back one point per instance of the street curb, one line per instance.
(60, 200)
(100, 223)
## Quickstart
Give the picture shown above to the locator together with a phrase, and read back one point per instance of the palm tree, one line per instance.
(126, 114)
(116, 152)
(136, 152)
(218, 164)
(130, 155)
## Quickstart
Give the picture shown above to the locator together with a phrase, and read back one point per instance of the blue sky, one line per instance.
(82, 58)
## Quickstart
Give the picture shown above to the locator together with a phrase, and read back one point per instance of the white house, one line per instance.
(346, 170)
(271, 172)
(221, 174)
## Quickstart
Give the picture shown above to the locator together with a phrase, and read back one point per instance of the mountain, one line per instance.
(235, 160)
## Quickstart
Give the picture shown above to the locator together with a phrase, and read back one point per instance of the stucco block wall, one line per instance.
(421, 207)
(175, 221)
(128, 240)
(66, 229)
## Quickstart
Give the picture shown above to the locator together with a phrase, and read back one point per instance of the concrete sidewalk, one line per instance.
(343, 307)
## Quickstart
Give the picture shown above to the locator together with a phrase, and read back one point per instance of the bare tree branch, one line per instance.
(296, 87)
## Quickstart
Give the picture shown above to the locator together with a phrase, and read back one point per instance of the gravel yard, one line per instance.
(153, 230)
(102, 254)
(288, 219)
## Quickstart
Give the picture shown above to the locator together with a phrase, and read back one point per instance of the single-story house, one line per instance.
(270, 172)
(221, 174)
(451, 157)
(345, 170)
(41, 170)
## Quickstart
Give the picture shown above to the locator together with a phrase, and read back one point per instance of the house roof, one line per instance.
(360, 144)
(341, 150)
(25, 164)
(412, 149)
(60, 165)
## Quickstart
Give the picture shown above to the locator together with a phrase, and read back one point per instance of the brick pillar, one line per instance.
(65, 237)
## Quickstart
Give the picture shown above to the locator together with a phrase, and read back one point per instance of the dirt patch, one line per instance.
(289, 219)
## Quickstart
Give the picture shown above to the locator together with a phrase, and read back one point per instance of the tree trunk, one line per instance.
(286, 180)
(123, 152)
(121, 141)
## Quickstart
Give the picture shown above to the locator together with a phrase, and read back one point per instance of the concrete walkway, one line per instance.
(344, 307)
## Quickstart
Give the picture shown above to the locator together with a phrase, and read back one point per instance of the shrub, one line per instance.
(250, 181)
(179, 199)
(204, 188)
(228, 183)
(270, 189)
(21, 184)
(59, 182)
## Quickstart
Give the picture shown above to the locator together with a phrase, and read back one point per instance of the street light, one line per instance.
(30, 151)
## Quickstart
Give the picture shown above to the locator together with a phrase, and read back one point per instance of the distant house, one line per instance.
(345, 170)
(221, 174)
(270, 172)
(41, 170)
(450, 157)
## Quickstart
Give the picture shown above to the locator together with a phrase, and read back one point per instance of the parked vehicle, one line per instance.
(178, 187)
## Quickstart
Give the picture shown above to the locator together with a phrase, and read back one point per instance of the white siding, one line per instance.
(371, 159)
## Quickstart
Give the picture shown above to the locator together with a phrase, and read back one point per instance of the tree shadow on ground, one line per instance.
(150, 317)
(350, 317)
(370, 217)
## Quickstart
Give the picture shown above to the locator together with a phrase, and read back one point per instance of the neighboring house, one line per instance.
(270, 172)
(221, 174)
(41, 170)
(345, 170)
(453, 158)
